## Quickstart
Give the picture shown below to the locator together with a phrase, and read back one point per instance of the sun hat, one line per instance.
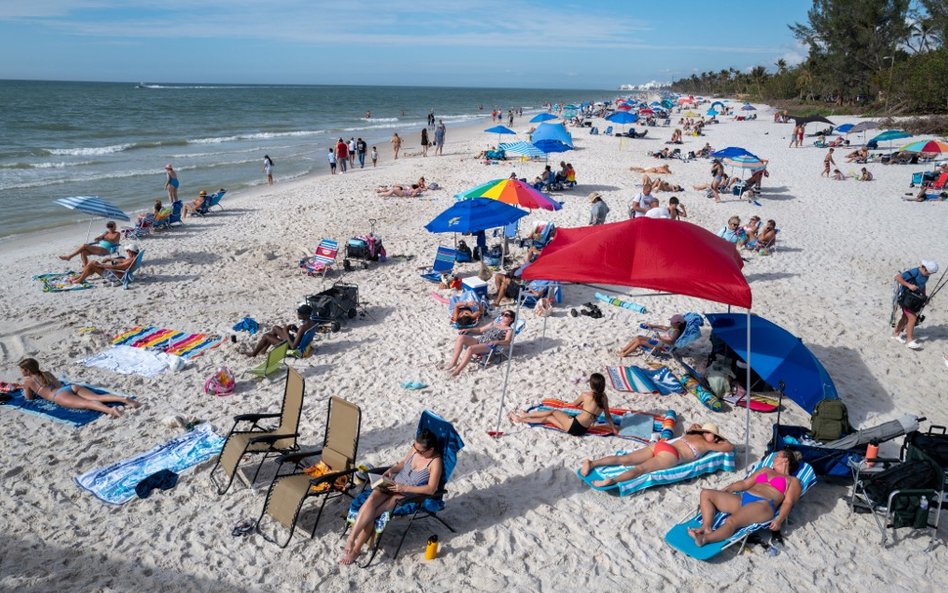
(676, 318)
(594, 195)
(930, 265)
(708, 427)
(133, 247)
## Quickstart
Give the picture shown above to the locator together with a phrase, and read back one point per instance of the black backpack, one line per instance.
(830, 420)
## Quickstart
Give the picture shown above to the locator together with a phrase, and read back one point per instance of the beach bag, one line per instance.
(912, 301)
(917, 474)
(221, 383)
(830, 420)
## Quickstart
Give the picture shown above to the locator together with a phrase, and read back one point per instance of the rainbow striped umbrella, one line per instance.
(926, 146)
(513, 192)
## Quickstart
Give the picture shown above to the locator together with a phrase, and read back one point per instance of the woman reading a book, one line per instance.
(419, 472)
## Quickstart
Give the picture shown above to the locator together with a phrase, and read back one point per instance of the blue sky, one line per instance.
(502, 43)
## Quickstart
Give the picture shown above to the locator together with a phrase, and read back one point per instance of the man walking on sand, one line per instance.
(439, 137)
(342, 155)
(828, 162)
(912, 281)
(396, 144)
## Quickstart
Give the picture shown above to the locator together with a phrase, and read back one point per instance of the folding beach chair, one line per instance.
(323, 260)
(709, 463)
(306, 347)
(125, 279)
(546, 289)
(693, 323)
(257, 440)
(416, 506)
(502, 351)
(330, 478)
(902, 492)
(608, 131)
(273, 363)
(443, 264)
(174, 217)
(679, 538)
(211, 201)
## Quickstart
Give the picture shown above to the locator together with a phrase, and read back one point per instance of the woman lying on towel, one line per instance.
(48, 387)
(752, 500)
(496, 333)
(699, 439)
(400, 191)
(662, 170)
(117, 266)
(592, 402)
(667, 335)
(419, 472)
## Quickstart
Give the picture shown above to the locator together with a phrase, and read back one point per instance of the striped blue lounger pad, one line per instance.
(708, 464)
(679, 538)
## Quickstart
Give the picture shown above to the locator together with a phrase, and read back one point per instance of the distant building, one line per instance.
(648, 86)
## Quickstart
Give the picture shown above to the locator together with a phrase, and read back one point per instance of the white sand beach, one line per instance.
(524, 521)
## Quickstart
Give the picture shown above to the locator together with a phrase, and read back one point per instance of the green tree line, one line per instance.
(889, 56)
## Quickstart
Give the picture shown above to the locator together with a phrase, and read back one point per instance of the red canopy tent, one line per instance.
(659, 254)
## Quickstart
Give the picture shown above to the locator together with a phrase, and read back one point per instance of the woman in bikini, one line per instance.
(496, 333)
(592, 402)
(45, 385)
(699, 439)
(104, 244)
(753, 500)
(662, 170)
(419, 472)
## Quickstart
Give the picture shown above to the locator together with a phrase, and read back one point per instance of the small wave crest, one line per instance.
(88, 150)
(379, 118)
(255, 136)
(59, 165)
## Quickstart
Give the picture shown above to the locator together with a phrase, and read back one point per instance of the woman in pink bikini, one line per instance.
(698, 440)
(752, 500)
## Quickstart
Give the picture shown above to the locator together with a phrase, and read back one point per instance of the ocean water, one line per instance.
(112, 140)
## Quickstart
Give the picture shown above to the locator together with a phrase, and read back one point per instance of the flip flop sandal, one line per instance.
(243, 528)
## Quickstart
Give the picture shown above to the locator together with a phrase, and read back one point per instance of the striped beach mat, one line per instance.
(599, 428)
(711, 462)
(169, 341)
(59, 282)
(639, 380)
(116, 483)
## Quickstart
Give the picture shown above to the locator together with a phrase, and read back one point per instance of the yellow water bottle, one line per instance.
(431, 549)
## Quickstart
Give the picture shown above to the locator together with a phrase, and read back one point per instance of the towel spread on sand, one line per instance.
(47, 409)
(639, 380)
(59, 282)
(169, 341)
(127, 360)
(708, 463)
(116, 483)
(600, 427)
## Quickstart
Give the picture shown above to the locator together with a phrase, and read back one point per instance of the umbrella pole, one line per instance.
(89, 229)
(747, 415)
(503, 393)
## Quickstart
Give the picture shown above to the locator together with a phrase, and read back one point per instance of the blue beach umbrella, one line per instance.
(891, 135)
(93, 205)
(541, 117)
(777, 356)
(623, 117)
(522, 149)
(470, 216)
(744, 162)
(500, 130)
(748, 107)
(551, 145)
(732, 152)
(844, 129)
(711, 112)
(717, 103)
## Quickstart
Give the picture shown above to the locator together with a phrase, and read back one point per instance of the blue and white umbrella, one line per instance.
(93, 205)
(522, 149)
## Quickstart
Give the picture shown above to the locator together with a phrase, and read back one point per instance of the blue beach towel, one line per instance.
(47, 409)
(116, 483)
(59, 282)
(639, 380)
(709, 463)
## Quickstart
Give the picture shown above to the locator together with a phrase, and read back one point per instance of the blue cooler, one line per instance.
(475, 285)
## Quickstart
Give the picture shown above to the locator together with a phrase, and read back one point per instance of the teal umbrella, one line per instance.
(541, 117)
(889, 135)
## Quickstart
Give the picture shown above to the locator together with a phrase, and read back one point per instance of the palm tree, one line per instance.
(781, 66)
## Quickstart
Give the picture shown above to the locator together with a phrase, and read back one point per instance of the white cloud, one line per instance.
(795, 54)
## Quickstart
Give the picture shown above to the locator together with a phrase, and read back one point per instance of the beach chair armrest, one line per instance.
(297, 456)
(332, 476)
(272, 438)
(254, 417)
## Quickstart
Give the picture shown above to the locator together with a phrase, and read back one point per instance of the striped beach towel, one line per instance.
(639, 380)
(599, 428)
(169, 341)
(709, 463)
(116, 483)
(59, 282)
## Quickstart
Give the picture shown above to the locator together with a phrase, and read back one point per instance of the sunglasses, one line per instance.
(510, 315)
(419, 449)
(734, 225)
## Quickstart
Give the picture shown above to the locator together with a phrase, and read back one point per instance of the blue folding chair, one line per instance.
(443, 264)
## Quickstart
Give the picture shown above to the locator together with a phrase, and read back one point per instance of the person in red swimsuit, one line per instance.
(698, 440)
